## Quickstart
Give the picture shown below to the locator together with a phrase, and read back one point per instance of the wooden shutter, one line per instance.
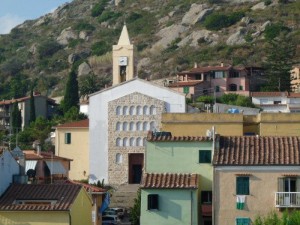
(242, 185)
(242, 221)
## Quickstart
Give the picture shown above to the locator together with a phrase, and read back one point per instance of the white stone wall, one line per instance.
(131, 117)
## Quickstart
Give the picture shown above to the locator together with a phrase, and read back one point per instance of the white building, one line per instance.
(8, 168)
(120, 117)
(277, 101)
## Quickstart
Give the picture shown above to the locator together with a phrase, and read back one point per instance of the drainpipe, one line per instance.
(191, 207)
(70, 218)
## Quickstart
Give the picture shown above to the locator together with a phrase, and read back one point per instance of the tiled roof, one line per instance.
(169, 180)
(76, 124)
(62, 196)
(252, 150)
(33, 155)
(8, 102)
(269, 94)
(185, 83)
(294, 95)
(211, 68)
(87, 187)
(177, 138)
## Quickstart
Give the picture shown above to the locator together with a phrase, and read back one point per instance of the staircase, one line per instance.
(124, 196)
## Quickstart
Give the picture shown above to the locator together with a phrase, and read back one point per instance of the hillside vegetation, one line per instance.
(169, 36)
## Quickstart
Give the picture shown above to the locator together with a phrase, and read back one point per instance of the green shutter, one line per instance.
(204, 156)
(241, 88)
(67, 138)
(186, 90)
(242, 185)
(242, 221)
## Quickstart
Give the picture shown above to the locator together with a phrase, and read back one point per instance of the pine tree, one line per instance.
(71, 97)
(279, 62)
(16, 117)
(32, 107)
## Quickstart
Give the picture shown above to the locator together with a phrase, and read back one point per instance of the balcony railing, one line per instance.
(287, 199)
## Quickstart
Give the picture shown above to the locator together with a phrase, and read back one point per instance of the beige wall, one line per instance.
(78, 150)
(261, 201)
(196, 124)
(264, 124)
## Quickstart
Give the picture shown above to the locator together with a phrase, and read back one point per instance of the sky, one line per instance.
(14, 12)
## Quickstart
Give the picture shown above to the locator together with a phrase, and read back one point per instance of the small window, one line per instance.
(139, 142)
(152, 110)
(118, 142)
(219, 74)
(277, 102)
(186, 90)
(217, 88)
(118, 126)
(242, 186)
(132, 126)
(241, 88)
(206, 197)
(145, 110)
(131, 110)
(204, 156)
(67, 138)
(152, 201)
(119, 158)
(242, 221)
(118, 110)
(139, 110)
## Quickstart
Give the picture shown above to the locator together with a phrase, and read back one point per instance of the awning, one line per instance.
(56, 167)
(30, 164)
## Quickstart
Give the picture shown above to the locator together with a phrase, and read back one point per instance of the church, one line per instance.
(121, 116)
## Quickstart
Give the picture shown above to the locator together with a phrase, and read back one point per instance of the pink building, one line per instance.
(219, 80)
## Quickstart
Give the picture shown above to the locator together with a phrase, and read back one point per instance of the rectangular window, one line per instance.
(217, 88)
(204, 156)
(242, 221)
(186, 90)
(219, 74)
(277, 102)
(198, 77)
(241, 87)
(67, 138)
(206, 197)
(242, 186)
(152, 201)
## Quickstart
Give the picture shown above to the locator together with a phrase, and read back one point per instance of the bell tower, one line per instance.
(123, 59)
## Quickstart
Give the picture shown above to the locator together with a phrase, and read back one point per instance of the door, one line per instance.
(136, 164)
(137, 173)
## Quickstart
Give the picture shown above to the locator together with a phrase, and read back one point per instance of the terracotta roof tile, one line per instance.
(33, 155)
(185, 83)
(8, 102)
(62, 195)
(252, 150)
(170, 180)
(177, 138)
(87, 187)
(211, 68)
(269, 94)
(76, 124)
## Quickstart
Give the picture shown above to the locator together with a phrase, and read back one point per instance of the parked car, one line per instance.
(110, 212)
(110, 220)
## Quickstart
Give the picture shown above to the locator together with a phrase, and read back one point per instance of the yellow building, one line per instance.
(72, 141)
(263, 124)
(46, 204)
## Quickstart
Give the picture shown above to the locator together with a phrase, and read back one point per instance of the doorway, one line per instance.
(136, 164)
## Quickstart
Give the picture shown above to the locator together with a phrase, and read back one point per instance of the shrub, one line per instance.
(74, 42)
(267, 2)
(273, 30)
(206, 99)
(98, 9)
(108, 15)
(217, 21)
(48, 48)
(100, 48)
(84, 26)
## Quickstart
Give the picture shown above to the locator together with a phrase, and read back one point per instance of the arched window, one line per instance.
(131, 110)
(152, 110)
(139, 126)
(139, 142)
(125, 110)
(118, 142)
(139, 110)
(118, 126)
(125, 142)
(119, 158)
(125, 126)
(131, 141)
(118, 110)
(232, 87)
(145, 110)
(144, 141)
(152, 125)
(145, 126)
(131, 126)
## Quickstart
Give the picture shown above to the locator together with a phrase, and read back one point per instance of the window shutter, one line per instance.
(242, 185)
(152, 201)
(281, 184)
(242, 221)
(67, 138)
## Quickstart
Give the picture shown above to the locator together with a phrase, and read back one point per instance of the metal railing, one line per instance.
(287, 199)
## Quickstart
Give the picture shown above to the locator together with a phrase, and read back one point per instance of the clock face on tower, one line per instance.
(122, 61)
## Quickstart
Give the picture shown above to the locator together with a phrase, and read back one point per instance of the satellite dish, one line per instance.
(31, 173)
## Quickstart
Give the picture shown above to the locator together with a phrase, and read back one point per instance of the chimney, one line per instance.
(195, 65)
(38, 149)
(222, 64)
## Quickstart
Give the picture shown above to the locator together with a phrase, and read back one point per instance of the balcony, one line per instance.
(287, 199)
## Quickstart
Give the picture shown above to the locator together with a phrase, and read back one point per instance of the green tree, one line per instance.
(279, 62)
(71, 97)
(19, 86)
(90, 83)
(135, 211)
(32, 115)
(16, 117)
